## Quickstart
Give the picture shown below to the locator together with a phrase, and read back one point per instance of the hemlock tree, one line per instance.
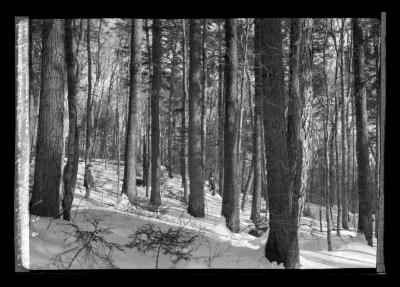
(196, 196)
(45, 199)
(71, 167)
(230, 197)
(364, 192)
(129, 184)
(277, 163)
(155, 197)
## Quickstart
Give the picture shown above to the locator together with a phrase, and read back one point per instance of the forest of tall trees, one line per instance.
(280, 113)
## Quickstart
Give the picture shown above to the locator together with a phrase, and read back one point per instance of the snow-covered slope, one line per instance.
(215, 245)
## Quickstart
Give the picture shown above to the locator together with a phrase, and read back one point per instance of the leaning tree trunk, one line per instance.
(295, 143)
(275, 141)
(132, 136)
(230, 198)
(364, 192)
(45, 194)
(71, 167)
(155, 196)
(196, 196)
(380, 260)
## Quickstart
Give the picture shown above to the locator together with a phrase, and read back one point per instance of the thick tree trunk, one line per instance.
(364, 192)
(129, 183)
(155, 196)
(275, 141)
(231, 193)
(196, 196)
(380, 259)
(45, 194)
(71, 167)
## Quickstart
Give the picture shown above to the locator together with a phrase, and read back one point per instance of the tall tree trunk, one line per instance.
(275, 141)
(328, 156)
(204, 100)
(338, 186)
(71, 167)
(380, 260)
(147, 172)
(231, 193)
(295, 143)
(221, 114)
(307, 97)
(377, 129)
(257, 126)
(129, 183)
(196, 196)
(174, 65)
(243, 43)
(45, 194)
(184, 138)
(343, 188)
(364, 192)
(155, 196)
(89, 100)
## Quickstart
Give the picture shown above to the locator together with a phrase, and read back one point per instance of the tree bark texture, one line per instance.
(231, 193)
(45, 194)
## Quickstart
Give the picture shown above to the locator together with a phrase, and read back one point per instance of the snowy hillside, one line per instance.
(101, 229)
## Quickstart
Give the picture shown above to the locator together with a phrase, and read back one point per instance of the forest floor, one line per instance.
(58, 244)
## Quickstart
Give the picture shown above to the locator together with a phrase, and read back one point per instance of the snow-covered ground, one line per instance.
(215, 246)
